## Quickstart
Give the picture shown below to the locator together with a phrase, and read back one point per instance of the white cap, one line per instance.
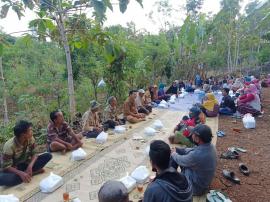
(141, 91)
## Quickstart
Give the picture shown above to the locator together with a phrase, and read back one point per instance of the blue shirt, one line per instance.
(199, 166)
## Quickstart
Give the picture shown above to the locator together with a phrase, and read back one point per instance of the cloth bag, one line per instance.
(51, 183)
(78, 154)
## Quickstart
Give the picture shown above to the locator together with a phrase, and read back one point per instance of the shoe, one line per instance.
(238, 149)
(220, 133)
(230, 155)
(231, 176)
(244, 169)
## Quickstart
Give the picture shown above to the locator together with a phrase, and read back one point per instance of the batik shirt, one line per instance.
(14, 153)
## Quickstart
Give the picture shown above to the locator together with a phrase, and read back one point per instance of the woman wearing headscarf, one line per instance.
(210, 106)
(161, 93)
(250, 101)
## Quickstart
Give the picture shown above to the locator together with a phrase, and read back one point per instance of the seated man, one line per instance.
(130, 112)
(91, 121)
(168, 185)
(60, 136)
(141, 104)
(110, 114)
(20, 161)
(193, 160)
(227, 105)
(113, 191)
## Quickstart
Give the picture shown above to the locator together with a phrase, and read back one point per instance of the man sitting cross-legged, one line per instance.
(60, 136)
(168, 185)
(20, 161)
(110, 117)
(130, 111)
(198, 163)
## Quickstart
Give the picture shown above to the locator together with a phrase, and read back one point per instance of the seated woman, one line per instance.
(210, 105)
(91, 122)
(20, 160)
(249, 102)
(173, 89)
(182, 130)
(153, 90)
(161, 93)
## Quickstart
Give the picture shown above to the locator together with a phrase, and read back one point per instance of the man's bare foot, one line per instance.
(42, 170)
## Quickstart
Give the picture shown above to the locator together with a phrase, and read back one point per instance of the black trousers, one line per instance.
(11, 179)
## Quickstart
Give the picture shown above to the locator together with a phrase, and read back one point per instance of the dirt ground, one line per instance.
(253, 188)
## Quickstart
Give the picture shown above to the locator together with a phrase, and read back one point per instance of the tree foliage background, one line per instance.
(35, 71)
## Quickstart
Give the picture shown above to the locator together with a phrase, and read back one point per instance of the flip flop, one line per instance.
(244, 169)
(220, 133)
(238, 149)
(231, 176)
(230, 155)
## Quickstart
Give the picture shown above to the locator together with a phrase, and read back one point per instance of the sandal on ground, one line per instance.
(230, 155)
(244, 169)
(238, 149)
(215, 196)
(231, 176)
(220, 133)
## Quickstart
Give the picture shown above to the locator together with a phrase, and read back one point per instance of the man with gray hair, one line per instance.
(113, 191)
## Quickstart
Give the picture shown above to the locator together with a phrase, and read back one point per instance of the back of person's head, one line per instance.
(53, 115)
(113, 191)
(227, 90)
(131, 92)
(159, 154)
(21, 127)
(204, 132)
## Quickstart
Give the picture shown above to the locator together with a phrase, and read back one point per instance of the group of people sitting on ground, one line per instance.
(170, 185)
(21, 162)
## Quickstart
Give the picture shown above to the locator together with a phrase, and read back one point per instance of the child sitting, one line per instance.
(182, 130)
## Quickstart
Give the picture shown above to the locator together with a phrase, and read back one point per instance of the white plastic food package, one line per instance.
(158, 124)
(102, 137)
(163, 106)
(172, 101)
(196, 91)
(149, 131)
(51, 183)
(8, 198)
(119, 129)
(129, 183)
(76, 200)
(140, 174)
(249, 121)
(78, 154)
(147, 150)
(101, 83)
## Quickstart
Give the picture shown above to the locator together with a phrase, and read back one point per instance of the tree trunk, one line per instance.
(72, 106)
(4, 94)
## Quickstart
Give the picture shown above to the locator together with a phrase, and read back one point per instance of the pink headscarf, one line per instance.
(252, 89)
